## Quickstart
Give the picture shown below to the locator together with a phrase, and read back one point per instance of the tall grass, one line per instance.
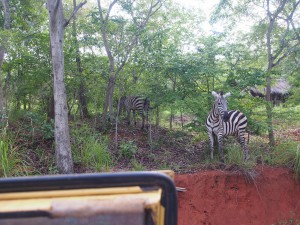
(12, 163)
(235, 155)
(297, 162)
(287, 153)
(90, 149)
(5, 168)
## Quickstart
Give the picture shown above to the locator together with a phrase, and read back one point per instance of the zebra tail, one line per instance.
(248, 137)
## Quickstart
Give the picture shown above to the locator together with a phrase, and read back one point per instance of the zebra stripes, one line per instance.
(221, 122)
(137, 103)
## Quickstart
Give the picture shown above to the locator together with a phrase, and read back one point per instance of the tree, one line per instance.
(82, 100)
(275, 30)
(62, 136)
(278, 48)
(119, 55)
(5, 4)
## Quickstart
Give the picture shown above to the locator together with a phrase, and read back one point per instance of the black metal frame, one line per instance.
(97, 180)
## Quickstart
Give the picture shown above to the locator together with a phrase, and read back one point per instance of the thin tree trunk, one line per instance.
(5, 4)
(6, 88)
(82, 91)
(62, 136)
(269, 112)
(171, 120)
(2, 52)
(157, 116)
(268, 77)
(108, 103)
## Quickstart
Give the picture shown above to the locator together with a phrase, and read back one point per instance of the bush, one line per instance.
(12, 162)
(90, 149)
(287, 153)
(235, 155)
(127, 149)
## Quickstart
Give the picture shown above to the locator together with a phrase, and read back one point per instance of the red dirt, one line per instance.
(227, 198)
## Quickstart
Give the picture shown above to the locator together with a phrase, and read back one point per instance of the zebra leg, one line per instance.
(242, 140)
(133, 112)
(128, 117)
(211, 141)
(143, 122)
(147, 120)
(220, 147)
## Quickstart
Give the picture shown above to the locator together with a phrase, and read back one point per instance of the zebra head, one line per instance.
(220, 104)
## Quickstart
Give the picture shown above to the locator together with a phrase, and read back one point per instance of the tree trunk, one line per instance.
(5, 4)
(269, 111)
(108, 103)
(82, 91)
(50, 110)
(2, 52)
(157, 116)
(62, 136)
(171, 120)
(268, 79)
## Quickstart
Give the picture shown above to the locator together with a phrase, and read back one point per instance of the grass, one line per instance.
(90, 149)
(287, 153)
(12, 161)
(22, 154)
(127, 149)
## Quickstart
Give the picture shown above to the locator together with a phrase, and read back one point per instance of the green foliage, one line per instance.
(127, 149)
(34, 123)
(4, 157)
(96, 154)
(90, 149)
(288, 114)
(137, 166)
(297, 162)
(12, 162)
(234, 155)
(287, 154)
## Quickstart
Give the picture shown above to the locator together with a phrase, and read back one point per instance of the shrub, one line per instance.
(287, 153)
(127, 149)
(12, 162)
(90, 149)
(235, 155)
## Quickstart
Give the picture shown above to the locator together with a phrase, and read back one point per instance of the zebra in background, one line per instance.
(136, 103)
(221, 122)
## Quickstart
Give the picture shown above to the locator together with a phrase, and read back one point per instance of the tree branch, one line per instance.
(109, 9)
(286, 54)
(6, 14)
(74, 13)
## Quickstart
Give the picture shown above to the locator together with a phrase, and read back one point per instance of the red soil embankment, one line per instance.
(226, 198)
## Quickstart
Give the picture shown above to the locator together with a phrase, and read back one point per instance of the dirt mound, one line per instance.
(230, 198)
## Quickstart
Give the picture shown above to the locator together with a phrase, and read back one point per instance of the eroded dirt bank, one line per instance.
(227, 198)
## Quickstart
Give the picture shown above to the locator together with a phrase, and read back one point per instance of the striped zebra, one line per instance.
(137, 103)
(221, 122)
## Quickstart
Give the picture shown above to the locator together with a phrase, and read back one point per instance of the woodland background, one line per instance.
(157, 49)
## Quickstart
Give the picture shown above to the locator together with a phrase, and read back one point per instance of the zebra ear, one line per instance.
(215, 94)
(227, 95)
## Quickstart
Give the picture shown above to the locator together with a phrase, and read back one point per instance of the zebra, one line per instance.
(221, 123)
(137, 103)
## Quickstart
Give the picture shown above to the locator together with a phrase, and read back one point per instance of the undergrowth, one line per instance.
(27, 147)
(89, 148)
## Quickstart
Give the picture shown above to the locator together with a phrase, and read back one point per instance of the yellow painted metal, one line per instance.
(47, 200)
